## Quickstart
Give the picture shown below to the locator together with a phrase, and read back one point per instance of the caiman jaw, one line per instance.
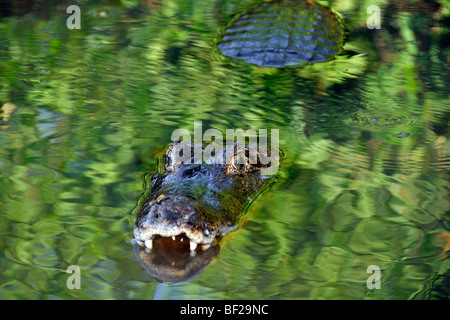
(171, 217)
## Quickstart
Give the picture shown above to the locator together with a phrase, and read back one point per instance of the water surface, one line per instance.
(86, 113)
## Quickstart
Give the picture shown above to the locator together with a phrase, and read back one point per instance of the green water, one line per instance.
(87, 112)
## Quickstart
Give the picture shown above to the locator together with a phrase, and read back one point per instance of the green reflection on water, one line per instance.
(365, 180)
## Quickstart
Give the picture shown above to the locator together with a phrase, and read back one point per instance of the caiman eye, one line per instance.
(192, 171)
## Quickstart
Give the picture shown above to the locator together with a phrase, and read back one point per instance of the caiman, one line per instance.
(199, 203)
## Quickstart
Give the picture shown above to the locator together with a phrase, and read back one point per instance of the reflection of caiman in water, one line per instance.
(186, 210)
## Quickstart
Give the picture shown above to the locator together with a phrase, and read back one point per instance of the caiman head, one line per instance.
(197, 202)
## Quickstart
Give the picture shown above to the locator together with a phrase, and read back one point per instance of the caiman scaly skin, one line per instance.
(199, 201)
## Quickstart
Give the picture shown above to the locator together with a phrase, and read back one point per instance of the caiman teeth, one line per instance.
(149, 244)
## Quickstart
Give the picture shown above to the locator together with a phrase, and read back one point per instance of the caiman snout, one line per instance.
(172, 216)
(197, 202)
